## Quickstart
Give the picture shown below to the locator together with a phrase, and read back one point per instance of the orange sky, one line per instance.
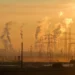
(30, 14)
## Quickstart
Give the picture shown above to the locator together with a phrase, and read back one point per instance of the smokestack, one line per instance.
(21, 46)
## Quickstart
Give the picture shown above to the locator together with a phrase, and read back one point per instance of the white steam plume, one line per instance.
(67, 22)
(63, 26)
(61, 14)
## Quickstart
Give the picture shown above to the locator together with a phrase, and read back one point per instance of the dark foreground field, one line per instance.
(57, 69)
(37, 71)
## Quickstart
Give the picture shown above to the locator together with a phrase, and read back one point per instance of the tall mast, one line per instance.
(21, 46)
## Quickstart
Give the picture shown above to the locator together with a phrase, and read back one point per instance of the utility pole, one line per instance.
(31, 48)
(40, 47)
(48, 46)
(55, 48)
(49, 38)
(69, 47)
(65, 45)
(48, 43)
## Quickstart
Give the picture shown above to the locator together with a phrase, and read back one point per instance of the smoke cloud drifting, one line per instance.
(42, 28)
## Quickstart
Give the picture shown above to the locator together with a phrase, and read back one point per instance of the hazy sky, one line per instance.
(30, 12)
(36, 1)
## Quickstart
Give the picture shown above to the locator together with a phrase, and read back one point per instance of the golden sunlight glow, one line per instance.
(61, 13)
(68, 21)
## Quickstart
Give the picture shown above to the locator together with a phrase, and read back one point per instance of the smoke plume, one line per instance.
(42, 28)
(61, 14)
(21, 31)
(6, 35)
(67, 22)
(63, 25)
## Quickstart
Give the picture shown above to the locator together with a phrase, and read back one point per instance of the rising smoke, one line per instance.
(44, 25)
(6, 36)
(68, 21)
(60, 14)
(42, 28)
(62, 27)
(21, 31)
